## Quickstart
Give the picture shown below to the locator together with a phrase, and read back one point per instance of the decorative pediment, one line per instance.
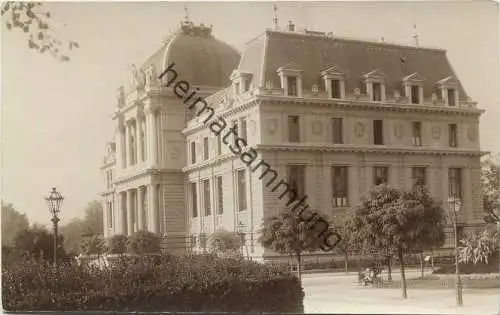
(290, 67)
(448, 81)
(375, 74)
(414, 77)
(333, 71)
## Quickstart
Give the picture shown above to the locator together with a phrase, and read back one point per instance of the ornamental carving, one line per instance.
(252, 127)
(359, 129)
(436, 132)
(271, 125)
(399, 131)
(151, 76)
(471, 133)
(138, 78)
(317, 128)
(120, 97)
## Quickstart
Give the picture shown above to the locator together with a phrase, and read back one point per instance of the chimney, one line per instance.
(291, 26)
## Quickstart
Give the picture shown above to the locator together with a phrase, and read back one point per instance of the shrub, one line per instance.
(143, 242)
(179, 284)
(117, 244)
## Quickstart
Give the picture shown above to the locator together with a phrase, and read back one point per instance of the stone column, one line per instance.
(140, 210)
(127, 145)
(137, 141)
(105, 207)
(152, 133)
(123, 213)
(130, 213)
(153, 209)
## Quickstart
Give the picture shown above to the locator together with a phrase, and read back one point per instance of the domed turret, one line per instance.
(200, 58)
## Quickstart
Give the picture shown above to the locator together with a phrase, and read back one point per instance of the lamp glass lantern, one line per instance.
(54, 202)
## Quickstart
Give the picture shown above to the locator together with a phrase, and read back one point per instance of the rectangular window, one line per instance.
(219, 144)
(292, 85)
(296, 179)
(416, 138)
(246, 85)
(415, 94)
(377, 92)
(237, 88)
(451, 97)
(244, 129)
(205, 148)
(143, 143)
(241, 189)
(194, 200)
(335, 87)
(193, 152)
(220, 195)
(206, 197)
(380, 175)
(338, 137)
(378, 132)
(418, 176)
(452, 132)
(110, 214)
(454, 182)
(293, 129)
(339, 186)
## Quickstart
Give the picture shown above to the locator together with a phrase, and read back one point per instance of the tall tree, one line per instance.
(390, 219)
(490, 188)
(73, 232)
(94, 217)
(13, 222)
(35, 20)
(288, 234)
(38, 242)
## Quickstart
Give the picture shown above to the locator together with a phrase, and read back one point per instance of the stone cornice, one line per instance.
(359, 104)
(368, 149)
(334, 148)
(224, 113)
(143, 172)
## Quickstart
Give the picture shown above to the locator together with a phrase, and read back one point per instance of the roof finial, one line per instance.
(186, 16)
(275, 19)
(416, 35)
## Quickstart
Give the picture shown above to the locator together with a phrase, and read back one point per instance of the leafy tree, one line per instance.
(73, 232)
(225, 242)
(390, 219)
(117, 244)
(38, 242)
(34, 20)
(93, 245)
(143, 242)
(12, 223)
(478, 247)
(490, 188)
(94, 217)
(288, 234)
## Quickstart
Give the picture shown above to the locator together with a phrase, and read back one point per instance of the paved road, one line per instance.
(339, 293)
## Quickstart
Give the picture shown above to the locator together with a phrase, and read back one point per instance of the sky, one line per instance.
(56, 117)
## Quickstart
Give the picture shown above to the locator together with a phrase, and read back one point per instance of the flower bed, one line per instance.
(181, 284)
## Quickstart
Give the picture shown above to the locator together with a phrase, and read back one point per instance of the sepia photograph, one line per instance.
(250, 157)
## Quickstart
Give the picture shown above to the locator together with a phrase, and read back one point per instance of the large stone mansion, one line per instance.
(333, 116)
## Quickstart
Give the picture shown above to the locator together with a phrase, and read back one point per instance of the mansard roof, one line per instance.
(273, 49)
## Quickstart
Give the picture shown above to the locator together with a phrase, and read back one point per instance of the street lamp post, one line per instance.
(54, 202)
(454, 206)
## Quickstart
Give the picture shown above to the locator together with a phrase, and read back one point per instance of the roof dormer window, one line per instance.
(414, 88)
(449, 90)
(241, 81)
(334, 82)
(291, 80)
(375, 85)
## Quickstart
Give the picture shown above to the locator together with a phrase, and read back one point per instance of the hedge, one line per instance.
(198, 283)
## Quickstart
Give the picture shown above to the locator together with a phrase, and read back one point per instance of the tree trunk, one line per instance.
(422, 264)
(389, 268)
(346, 262)
(299, 266)
(402, 267)
(432, 259)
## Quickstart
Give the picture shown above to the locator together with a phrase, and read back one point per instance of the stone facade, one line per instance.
(382, 116)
